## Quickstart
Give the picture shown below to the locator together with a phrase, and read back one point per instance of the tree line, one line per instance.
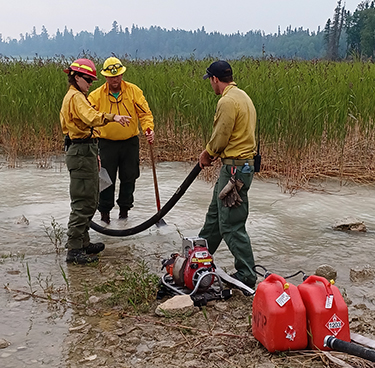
(156, 42)
(351, 35)
(345, 36)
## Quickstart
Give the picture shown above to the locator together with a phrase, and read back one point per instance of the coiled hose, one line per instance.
(160, 214)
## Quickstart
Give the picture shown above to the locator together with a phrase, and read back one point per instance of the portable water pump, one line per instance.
(193, 269)
(193, 272)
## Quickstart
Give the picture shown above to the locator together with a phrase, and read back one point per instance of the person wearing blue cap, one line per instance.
(233, 141)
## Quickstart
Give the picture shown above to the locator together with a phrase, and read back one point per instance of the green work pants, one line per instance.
(82, 163)
(121, 157)
(229, 224)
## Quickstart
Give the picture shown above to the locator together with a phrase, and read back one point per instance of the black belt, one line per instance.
(237, 162)
(85, 140)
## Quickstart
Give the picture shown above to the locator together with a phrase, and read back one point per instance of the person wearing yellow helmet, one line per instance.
(119, 147)
(80, 123)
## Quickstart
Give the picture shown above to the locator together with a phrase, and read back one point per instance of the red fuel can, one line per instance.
(279, 315)
(327, 312)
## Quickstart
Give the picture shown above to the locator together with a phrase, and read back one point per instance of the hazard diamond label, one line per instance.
(290, 333)
(335, 324)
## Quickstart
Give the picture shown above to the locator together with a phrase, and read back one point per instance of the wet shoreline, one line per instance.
(288, 233)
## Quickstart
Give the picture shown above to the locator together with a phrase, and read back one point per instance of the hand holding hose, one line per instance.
(205, 159)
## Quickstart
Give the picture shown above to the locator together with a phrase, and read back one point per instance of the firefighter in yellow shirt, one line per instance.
(233, 141)
(119, 147)
(80, 122)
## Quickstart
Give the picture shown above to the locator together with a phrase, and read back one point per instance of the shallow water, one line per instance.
(288, 234)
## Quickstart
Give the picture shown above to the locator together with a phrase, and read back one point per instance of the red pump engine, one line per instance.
(194, 267)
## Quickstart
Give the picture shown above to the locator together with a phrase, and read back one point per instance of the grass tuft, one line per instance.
(134, 289)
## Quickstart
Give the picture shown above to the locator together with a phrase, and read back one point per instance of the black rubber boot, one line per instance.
(79, 256)
(94, 248)
(105, 217)
(123, 213)
(250, 285)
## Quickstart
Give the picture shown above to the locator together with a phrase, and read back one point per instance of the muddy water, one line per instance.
(288, 234)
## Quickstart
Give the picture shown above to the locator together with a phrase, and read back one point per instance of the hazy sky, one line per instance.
(225, 16)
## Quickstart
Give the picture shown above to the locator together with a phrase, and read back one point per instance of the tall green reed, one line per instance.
(32, 91)
(297, 102)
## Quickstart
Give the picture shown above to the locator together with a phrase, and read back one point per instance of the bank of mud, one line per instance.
(217, 335)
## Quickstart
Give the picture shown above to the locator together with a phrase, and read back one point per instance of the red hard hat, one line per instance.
(84, 66)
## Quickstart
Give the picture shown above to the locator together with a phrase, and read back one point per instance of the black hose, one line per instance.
(159, 215)
(350, 348)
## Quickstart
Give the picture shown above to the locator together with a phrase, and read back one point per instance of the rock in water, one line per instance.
(326, 271)
(23, 221)
(349, 224)
(4, 343)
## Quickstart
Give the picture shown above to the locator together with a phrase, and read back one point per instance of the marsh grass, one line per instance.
(134, 289)
(316, 117)
(29, 282)
(55, 234)
(350, 160)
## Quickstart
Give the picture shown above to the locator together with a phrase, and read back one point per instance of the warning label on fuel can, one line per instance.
(282, 299)
(335, 324)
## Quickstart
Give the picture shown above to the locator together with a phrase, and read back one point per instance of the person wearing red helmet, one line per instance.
(80, 122)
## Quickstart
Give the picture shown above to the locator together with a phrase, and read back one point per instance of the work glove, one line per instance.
(229, 194)
(236, 200)
(233, 199)
(227, 189)
(239, 184)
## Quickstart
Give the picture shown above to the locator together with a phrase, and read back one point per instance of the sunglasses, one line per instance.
(87, 79)
(113, 68)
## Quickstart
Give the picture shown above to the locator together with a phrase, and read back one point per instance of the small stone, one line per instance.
(4, 343)
(131, 349)
(22, 221)
(177, 305)
(349, 224)
(326, 271)
(93, 299)
(221, 307)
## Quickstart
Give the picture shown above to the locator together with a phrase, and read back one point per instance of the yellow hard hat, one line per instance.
(112, 67)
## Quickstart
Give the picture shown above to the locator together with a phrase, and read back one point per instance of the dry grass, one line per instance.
(350, 161)
(171, 145)
(38, 145)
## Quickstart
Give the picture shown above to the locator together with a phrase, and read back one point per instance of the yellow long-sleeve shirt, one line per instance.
(77, 116)
(233, 133)
(131, 102)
